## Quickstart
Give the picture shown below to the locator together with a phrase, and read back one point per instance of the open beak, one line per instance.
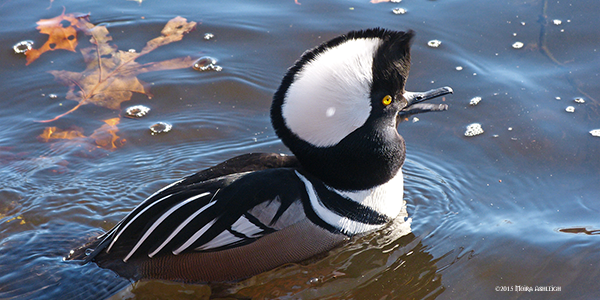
(414, 100)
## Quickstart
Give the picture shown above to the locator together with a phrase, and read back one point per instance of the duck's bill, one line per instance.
(414, 100)
(416, 97)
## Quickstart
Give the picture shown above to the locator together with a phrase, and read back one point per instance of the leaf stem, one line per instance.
(61, 115)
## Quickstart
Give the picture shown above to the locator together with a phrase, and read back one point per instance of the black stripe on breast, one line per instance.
(345, 207)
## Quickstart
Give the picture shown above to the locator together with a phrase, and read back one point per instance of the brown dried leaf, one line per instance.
(104, 137)
(110, 77)
(53, 133)
(60, 37)
(173, 32)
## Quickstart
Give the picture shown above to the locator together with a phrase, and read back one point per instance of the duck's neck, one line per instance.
(363, 160)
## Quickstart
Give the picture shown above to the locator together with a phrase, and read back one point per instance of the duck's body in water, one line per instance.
(337, 110)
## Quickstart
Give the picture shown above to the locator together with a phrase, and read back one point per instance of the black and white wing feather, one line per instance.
(212, 210)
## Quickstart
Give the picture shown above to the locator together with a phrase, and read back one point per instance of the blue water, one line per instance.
(514, 206)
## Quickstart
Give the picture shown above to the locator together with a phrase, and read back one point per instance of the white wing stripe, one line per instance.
(146, 200)
(180, 227)
(194, 237)
(223, 239)
(166, 187)
(159, 221)
(132, 220)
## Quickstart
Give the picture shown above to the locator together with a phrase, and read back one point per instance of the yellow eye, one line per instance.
(387, 100)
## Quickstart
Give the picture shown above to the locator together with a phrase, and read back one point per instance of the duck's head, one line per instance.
(338, 107)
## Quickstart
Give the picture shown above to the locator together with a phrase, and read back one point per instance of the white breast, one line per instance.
(387, 199)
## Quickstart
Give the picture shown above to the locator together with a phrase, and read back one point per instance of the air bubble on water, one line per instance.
(160, 127)
(52, 96)
(415, 120)
(517, 45)
(556, 22)
(131, 50)
(203, 61)
(208, 36)
(395, 1)
(399, 11)
(595, 132)
(474, 129)
(314, 280)
(137, 111)
(206, 63)
(570, 109)
(579, 100)
(459, 68)
(217, 68)
(475, 101)
(23, 46)
(434, 43)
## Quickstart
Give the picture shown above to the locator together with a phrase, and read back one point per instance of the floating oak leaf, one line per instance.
(111, 75)
(104, 137)
(61, 35)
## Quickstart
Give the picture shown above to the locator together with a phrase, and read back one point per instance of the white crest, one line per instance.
(330, 96)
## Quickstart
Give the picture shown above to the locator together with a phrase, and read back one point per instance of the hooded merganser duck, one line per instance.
(337, 110)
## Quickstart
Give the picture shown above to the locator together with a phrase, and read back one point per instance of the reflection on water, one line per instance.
(514, 205)
(580, 230)
(387, 263)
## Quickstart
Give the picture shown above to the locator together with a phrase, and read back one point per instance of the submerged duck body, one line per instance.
(337, 110)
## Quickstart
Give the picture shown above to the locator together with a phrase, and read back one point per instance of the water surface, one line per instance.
(515, 206)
